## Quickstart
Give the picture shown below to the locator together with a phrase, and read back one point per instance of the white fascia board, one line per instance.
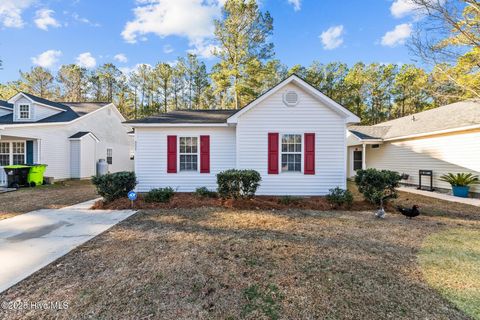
(432, 133)
(170, 125)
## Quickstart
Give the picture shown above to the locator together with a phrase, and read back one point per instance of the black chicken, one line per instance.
(409, 213)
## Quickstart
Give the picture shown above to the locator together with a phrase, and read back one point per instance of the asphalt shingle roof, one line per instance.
(6, 104)
(188, 116)
(71, 110)
(455, 115)
(79, 134)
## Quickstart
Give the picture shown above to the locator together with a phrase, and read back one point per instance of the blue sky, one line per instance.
(128, 32)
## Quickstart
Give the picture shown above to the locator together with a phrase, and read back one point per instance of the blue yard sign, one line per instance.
(132, 196)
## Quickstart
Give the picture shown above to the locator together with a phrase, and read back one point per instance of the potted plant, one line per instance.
(460, 182)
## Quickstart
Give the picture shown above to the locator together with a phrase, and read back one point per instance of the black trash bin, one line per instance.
(17, 175)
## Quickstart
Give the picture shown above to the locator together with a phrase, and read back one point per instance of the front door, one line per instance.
(357, 160)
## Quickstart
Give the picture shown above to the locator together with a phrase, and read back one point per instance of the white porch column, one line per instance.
(364, 156)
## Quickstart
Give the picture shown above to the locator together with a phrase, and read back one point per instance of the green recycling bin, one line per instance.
(35, 175)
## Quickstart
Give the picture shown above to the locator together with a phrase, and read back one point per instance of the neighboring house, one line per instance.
(69, 137)
(444, 139)
(293, 135)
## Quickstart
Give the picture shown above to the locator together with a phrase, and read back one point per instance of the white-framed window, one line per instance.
(188, 153)
(18, 153)
(291, 152)
(4, 153)
(109, 155)
(24, 111)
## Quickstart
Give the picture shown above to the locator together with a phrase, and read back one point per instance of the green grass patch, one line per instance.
(262, 301)
(450, 261)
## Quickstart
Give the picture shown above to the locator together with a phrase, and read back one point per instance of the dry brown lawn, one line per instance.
(230, 264)
(58, 195)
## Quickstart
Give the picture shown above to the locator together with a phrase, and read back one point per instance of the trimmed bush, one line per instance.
(339, 197)
(377, 186)
(238, 184)
(113, 186)
(159, 195)
(203, 192)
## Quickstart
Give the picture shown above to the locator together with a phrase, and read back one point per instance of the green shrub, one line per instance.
(113, 186)
(289, 200)
(377, 186)
(460, 179)
(339, 197)
(159, 195)
(203, 192)
(235, 184)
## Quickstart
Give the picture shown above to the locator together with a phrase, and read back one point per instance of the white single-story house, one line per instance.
(443, 140)
(293, 135)
(68, 137)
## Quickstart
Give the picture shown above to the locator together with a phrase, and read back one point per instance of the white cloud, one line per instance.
(167, 49)
(86, 60)
(129, 70)
(121, 58)
(47, 59)
(192, 19)
(403, 8)
(44, 19)
(297, 4)
(397, 36)
(332, 37)
(78, 18)
(11, 12)
(203, 49)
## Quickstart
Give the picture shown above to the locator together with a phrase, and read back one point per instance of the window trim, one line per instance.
(10, 150)
(302, 152)
(197, 153)
(20, 111)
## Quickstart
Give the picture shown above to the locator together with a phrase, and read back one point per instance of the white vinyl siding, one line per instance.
(36, 111)
(308, 116)
(442, 154)
(151, 158)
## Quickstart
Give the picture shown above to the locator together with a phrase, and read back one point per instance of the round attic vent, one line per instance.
(290, 98)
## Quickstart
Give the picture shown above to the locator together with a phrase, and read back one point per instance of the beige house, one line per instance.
(445, 139)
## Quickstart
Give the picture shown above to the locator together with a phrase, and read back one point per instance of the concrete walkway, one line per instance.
(442, 196)
(30, 241)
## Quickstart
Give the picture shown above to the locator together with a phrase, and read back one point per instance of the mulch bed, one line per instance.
(191, 201)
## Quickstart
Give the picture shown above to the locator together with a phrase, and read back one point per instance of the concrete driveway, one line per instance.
(30, 241)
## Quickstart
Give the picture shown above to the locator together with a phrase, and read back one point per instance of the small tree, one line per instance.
(377, 186)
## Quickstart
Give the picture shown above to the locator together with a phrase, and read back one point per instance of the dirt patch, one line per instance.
(191, 201)
(54, 196)
(214, 263)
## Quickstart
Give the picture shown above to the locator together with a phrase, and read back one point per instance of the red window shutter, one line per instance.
(273, 153)
(204, 154)
(309, 165)
(171, 154)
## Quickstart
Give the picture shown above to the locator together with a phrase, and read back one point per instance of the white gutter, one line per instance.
(170, 125)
